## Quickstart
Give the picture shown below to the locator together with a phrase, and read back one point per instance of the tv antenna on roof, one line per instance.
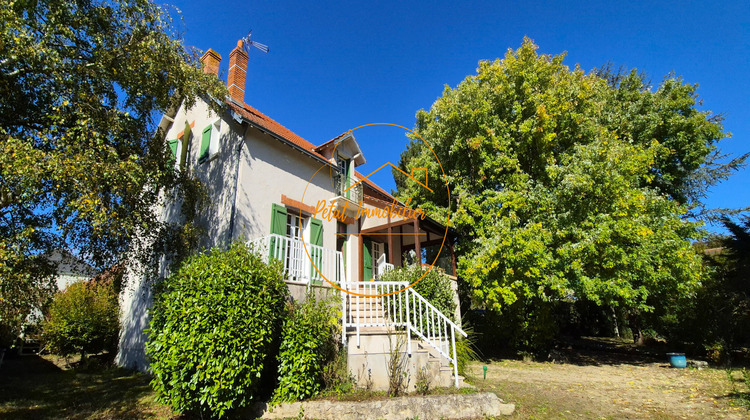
(247, 43)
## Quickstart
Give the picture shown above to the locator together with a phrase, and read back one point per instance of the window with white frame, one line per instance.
(210, 141)
(296, 262)
(294, 226)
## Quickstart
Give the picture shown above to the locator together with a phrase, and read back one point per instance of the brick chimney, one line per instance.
(237, 73)
(210, 61)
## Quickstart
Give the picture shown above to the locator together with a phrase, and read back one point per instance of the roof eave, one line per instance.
(238, 117)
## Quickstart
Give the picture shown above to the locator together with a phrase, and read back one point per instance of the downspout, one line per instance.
(236, 186)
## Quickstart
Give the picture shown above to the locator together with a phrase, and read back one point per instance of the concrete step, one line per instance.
(367, 312)
(360, 308)
(373, 331)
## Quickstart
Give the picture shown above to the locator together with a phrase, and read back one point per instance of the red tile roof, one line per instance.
(374, 185)
(321, 146)
(260, 119)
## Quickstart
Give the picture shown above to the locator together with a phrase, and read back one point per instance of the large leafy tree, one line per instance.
(568, 185)
(80, 166)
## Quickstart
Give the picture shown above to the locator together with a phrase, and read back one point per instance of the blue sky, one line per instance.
(337, 65)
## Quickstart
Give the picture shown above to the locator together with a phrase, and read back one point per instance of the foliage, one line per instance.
(215, 326)
(337, 380)
(466, 350)
(26, 283)
(740, 394)
(423, 381)
(84, 318)
(396, 365)
(526, 327)
(308, 342)
(434, 286)
(717, 318)
(80, 166)
(567, 185)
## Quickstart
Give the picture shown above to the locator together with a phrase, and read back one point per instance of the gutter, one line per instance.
(237, 117)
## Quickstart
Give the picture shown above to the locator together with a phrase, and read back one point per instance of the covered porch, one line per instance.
(403, 242)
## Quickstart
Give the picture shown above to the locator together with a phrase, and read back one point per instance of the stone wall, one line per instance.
(450, 406)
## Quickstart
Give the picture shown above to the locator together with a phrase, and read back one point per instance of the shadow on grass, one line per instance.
(34, 388)
(596, 351)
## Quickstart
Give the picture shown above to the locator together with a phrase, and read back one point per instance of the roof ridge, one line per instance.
(263, 120)
(320, 146)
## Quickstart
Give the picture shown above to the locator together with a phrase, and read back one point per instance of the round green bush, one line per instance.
(84, 318)
(214, 330)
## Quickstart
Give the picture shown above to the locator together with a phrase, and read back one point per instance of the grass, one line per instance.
(617, 389)
(34, 387)
(45, 387)
(590, 385)
(740, 383)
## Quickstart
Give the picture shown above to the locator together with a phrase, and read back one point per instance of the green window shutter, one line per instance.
(185, 142)
(278, 226)
(316, 238)
(205, 143)
(173, 147)
(316, 232)
(367, 260)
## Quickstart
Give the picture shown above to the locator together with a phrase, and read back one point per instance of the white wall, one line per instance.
(264, 169)
(269, 169)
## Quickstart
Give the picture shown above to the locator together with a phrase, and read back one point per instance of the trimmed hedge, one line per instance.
(215, 330)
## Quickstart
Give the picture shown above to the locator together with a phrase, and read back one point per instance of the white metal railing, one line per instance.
(382, 267)
(386, 304)
(298, 259)
(348, 188)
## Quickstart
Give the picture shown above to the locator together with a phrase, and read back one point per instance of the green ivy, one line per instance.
(308, 343)
(214, 328)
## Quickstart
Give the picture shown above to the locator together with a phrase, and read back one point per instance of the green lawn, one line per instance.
(589, 385)
(632, 389)
(33, 387)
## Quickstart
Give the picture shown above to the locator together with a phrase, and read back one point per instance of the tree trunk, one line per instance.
(614, 320)
(635, 326)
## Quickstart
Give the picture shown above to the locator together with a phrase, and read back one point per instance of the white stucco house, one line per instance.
(303, 204)
(69, 268)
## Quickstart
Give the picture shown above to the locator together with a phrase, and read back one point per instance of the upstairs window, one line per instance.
(210, 141)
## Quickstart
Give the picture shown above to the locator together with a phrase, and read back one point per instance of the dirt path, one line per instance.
(625, 389)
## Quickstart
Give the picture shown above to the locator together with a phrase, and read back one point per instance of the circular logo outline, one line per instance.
(445, 235)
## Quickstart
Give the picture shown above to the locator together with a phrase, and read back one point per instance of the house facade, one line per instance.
(307, 205)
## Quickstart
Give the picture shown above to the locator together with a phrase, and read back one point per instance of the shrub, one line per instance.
(528, 327)
(84, 318)
(215, 327)
(398, 377)
(466, 348)
(337, 380)
(434, 287)
(424, 380)
(308, 344)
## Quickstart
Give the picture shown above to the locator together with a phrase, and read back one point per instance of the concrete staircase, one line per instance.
(369, 351)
